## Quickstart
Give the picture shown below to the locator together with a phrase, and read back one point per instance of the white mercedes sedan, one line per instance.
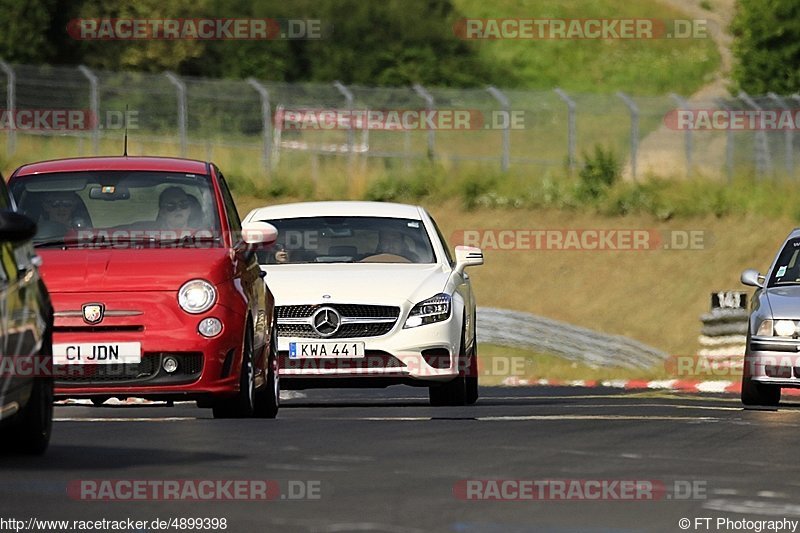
(367, 294)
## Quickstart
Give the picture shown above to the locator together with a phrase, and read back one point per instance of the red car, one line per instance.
(154, 281)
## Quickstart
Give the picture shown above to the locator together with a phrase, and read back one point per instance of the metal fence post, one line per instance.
(275, 157)
(796, 98)
(94, 105)
(572, 134)
(348, 98)
(634, 111)
(11, 105)
(503, 101)
(762, 156)
(729, 140)
(687, 138)
(788, 140)
(266, 118)
(180, 88)
(429, 105)
(788, 156)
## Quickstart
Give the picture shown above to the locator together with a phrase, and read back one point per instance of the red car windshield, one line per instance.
(119, 207)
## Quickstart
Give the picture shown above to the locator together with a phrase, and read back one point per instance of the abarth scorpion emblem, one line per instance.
(93, 313)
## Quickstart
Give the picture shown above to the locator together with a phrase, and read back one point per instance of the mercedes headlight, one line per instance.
(435, 309)
(197, 296)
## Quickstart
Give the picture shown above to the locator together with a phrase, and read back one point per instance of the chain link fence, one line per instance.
(548, 132)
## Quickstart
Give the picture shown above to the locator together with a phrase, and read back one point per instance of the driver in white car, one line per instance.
(392, 242)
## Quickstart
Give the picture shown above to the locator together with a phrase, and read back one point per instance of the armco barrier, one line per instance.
(532, 332)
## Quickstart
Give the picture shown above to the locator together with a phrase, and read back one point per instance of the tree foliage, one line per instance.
(24, 28)
(385, 42)
(767, 46)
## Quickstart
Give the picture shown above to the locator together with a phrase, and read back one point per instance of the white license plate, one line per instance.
(326, 350)
(97, 353)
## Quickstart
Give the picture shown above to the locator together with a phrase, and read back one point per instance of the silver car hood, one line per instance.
(784, 302)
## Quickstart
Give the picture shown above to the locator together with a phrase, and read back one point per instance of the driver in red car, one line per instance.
(60, 207)
(174, 209)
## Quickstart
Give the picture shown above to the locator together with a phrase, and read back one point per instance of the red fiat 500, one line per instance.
(156, 289)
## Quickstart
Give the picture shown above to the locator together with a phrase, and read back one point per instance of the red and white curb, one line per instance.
(285, 395)
(636, 384)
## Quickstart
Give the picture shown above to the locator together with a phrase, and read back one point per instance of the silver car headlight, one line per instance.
(785, 328)
(435, 309)
(778, 328)
(197, 296)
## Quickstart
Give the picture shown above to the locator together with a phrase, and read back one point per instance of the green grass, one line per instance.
(474, 185)
(497, 363)
(646, 67)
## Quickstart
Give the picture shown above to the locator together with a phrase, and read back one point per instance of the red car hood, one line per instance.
(123, 270)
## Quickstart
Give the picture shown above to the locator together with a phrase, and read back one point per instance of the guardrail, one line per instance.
(532, 332)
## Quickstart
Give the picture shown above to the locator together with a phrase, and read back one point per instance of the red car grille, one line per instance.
(96, 329)
(148, 372)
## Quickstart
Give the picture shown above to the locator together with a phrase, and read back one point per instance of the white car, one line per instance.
(368, 295)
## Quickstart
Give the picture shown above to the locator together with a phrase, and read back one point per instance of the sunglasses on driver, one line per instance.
(172, 206)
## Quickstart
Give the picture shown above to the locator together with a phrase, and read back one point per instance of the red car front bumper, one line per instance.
(207, 367)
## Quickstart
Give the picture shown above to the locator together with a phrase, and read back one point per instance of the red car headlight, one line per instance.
(197, 296)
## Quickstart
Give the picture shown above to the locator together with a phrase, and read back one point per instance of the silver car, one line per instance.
(772, 357)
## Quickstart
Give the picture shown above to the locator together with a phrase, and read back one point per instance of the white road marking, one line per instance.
(342, 458)
(120, 419)
(753, 507)
(598, 417)
(771, 494)
(515, 418)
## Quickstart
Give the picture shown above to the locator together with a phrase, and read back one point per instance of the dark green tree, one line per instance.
(24, 26)
(767, 46)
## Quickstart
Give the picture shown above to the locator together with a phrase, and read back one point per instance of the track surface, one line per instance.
(384, 460)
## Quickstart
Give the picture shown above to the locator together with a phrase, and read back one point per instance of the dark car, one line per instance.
(156, 289)
(26, 322)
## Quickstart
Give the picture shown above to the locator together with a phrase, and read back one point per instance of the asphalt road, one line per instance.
(384, 461)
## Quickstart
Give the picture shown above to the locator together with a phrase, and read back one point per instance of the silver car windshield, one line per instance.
(348, 240)
(787, 267)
